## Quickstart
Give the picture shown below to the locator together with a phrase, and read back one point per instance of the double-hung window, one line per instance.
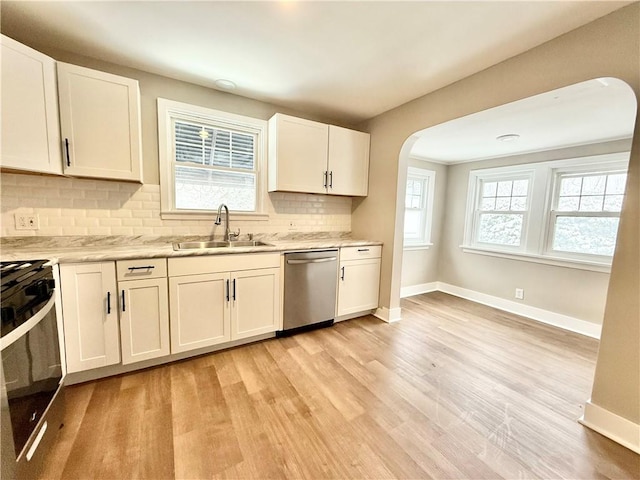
(208, 157)
(501, 209)
(586, 211)
(418, 207)
(559, 212)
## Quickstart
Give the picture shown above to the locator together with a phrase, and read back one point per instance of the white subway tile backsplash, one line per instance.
(77, 206)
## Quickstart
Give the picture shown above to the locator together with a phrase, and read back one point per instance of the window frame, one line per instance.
(608, 168)
(428, 176)
(543, 193)
(168, 112)
(511, 175)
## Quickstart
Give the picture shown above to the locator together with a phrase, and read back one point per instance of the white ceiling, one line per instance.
(343, 59)
(595, 111)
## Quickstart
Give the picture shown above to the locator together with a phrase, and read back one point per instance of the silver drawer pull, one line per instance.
(148, 267)
(315, 260)
(363, 249)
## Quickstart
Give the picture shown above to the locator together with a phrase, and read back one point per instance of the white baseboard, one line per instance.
(612, 426)
(388, 315)
(534, 313)
(418, 289)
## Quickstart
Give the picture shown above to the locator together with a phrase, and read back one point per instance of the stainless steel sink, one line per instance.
(203, 245)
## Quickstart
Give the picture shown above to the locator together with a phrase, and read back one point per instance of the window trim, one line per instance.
(168, 110)
(430, 179)
(542, 192)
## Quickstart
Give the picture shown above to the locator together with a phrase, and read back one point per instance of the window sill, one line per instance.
(198, 215)
(421, 246)
(543, 259)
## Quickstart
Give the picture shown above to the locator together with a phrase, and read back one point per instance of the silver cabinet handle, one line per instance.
(234, 289)
(331, 179)
(324, 183)
(227, 291)
(363, 249)
(108, 303)
(123, 304)
(66, 144)
(342, 275)
(315, 260)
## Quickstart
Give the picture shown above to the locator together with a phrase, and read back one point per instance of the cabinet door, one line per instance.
(358, 286)
(90, 313)
(100, 124)
(297, 154)
(255, 296)
(348, 162)
(144, 319)
(199, 310)
(30, 128)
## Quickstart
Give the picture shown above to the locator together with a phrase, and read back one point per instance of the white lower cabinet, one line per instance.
(90, 313)
(256, 302)
(359, 279)
(200, 311)
(213, 304)
(144, 309)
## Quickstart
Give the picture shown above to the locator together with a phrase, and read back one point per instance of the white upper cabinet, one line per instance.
(100, 124)
(30, 128)
(348, 163)
(312, 157)
(297, 154)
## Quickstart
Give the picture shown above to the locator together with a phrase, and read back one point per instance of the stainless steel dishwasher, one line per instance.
(310, 284)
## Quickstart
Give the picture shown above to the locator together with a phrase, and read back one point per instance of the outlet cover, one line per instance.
(520, 293)
(27, 222)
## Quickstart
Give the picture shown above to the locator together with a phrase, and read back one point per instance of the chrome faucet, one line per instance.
(227, 233)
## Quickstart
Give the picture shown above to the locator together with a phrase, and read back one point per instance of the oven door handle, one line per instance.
(14, 335)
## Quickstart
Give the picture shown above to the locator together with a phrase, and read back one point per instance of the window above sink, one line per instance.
(208, 157)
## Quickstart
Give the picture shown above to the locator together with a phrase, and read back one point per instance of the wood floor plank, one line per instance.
(454, 390)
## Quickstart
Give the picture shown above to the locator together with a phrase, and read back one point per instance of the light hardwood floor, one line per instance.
(454, 390)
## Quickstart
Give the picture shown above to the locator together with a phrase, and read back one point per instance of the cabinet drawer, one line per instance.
(357, 253)
(222, 263)
(142, 268)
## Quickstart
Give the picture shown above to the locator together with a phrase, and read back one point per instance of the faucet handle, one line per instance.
(234, 235)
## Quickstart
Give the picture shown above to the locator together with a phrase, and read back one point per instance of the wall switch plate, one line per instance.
(520, 293)
(27, 222)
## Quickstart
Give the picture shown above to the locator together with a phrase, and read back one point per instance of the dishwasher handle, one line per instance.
(311, 260)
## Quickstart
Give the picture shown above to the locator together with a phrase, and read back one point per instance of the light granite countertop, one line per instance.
(96, 249)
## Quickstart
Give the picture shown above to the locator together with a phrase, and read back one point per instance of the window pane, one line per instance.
(519, 204)
(412, 224)
(568, 204)
(203, 189)
(613, 203)
(500, 229)
(504, 189)
(570, 186)
(591, 203)
(489, 189)
(520, 187)
(592, 235)
(616, 183)
(488, 204)
(503, 203)
(593, 185)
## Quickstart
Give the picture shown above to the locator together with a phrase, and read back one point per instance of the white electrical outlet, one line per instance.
(27, 222)
(520, 293)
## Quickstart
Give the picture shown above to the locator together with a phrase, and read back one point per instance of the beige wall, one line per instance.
(609, 46)
(421, 266)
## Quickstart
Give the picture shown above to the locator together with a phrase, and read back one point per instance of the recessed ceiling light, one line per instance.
(225, 84)
(509, 137)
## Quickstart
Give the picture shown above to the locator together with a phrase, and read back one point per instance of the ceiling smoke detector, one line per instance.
(224, 84)
(509, 137)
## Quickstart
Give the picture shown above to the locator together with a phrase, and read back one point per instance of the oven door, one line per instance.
(32, 375)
